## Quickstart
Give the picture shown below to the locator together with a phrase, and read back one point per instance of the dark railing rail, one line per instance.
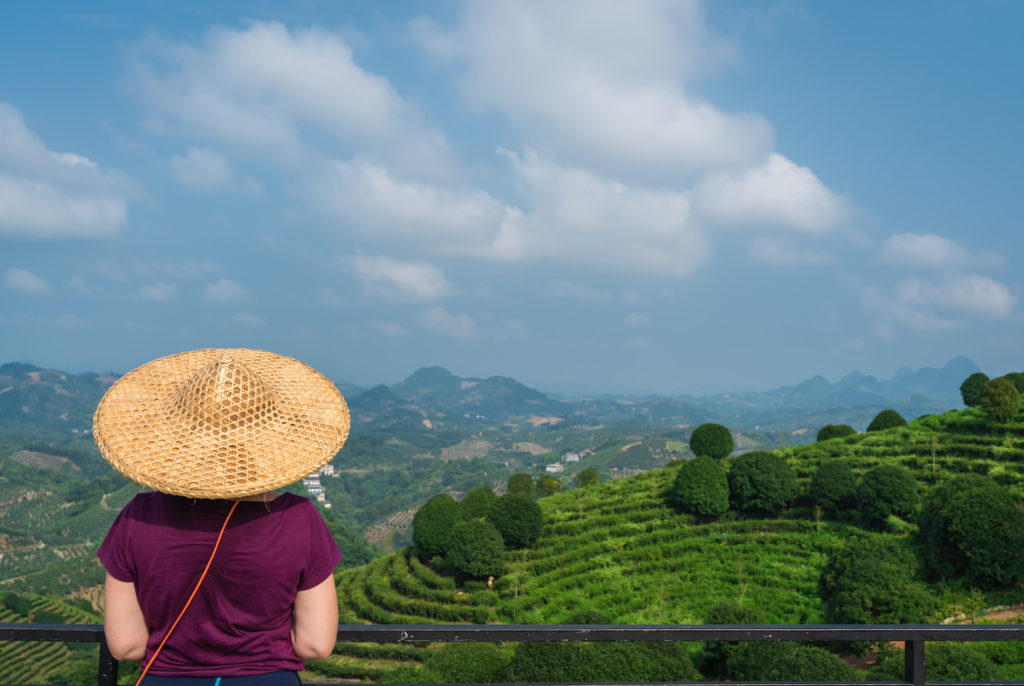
(913, 635)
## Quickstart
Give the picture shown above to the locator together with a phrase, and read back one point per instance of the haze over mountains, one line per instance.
(433, 395)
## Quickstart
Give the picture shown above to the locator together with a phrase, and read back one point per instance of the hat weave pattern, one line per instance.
(220, 423)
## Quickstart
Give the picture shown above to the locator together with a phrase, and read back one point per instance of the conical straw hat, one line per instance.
(220, 423)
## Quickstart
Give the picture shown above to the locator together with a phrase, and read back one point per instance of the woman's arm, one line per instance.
(123, 623)
(315, 620)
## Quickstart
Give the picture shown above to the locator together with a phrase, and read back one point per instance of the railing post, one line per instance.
(107, 675)
(913, 662)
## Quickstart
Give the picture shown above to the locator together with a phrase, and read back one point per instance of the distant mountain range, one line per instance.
(433, 395)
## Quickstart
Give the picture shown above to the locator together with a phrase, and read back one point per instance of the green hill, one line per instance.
(616, 548)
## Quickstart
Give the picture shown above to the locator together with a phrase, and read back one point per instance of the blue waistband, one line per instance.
(284, 678)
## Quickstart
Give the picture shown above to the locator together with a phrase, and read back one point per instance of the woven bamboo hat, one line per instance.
(220, 423)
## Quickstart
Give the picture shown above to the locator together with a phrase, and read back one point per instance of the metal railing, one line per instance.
(914, 636)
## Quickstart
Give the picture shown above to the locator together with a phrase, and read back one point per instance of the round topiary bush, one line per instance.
(886, 419)
(701, 487)
(432, 525)
(711, 440)
(834, 486)
(886, 490)
(521, 484)
(830, 431)
(1000, 400)
(476, 549)
(970, 389)
(518, 519)
(478, 501)
(761, 481)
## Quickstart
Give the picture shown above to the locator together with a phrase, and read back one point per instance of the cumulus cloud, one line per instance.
(157, 292)
(929, 250)
(444, 323)
(776, 193)
(46, 194)
(416, 281)
(604, 86)
(205, 170)
(24, 281)
(270, 90)
(224, 291)
(939, 305)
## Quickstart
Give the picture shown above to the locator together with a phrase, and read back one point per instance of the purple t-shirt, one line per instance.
(240, 621)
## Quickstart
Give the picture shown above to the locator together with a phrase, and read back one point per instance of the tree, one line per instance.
(548, 485)
(972, 528)
(1017, 379)
(834, 486)
(886, 419)
(586, 477)
(712, 440)
(476, 549)
(478, 501)
(521, 484)
(701, 487)
(871, 581)
(1000, 400)
(432, 525)
(518, 519)
(716, 653)
(970, 389)
(761, 481)
(886, 490)
(830, 431)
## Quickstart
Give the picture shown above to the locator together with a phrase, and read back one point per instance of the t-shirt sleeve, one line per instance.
(113, 552)
(323, 554)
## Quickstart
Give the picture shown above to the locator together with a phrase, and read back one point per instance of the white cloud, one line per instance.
(205, 170)
(776, 193)
(375, 203)
(270, 90)
(415, 281)
(580, 218)
(572, 289)
(637, 319)
(24, 281)
(157, 292)
(224, 291)
(45, 194)
(924, 250)
(388, 329)
(602, 86)
(440, 321)
(779, 252)
(941, 305)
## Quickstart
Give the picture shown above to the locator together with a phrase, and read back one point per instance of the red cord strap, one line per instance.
(194, 591)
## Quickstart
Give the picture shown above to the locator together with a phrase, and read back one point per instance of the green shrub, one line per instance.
(712, 440)
(476, 549)
(786, 662)
(701, 487)
(871, 581)
(970, 389)
(521, 484)
(716, 653)
(586, 477)
(830, 431)
(886, 490)
(518, 519)
(1000, 400)
(971, 527)
(834, 486)
(761, 481)
(432, 525)
(470, 663)
(547, 485)
(478, 502)
(886, 419)
(944, 662)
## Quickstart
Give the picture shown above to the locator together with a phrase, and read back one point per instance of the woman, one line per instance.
(214, 576)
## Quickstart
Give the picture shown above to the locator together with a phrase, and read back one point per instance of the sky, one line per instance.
(589, 197)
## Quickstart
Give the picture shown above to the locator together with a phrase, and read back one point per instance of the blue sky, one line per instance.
(670, 197)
